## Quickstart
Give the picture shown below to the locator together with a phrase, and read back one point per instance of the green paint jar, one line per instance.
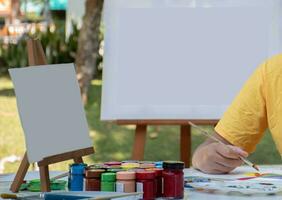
(108, 181)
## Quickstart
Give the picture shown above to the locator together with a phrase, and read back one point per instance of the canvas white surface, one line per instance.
(183, 59)
(50, 109)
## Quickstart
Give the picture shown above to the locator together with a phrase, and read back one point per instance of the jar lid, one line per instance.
(112, 163)
(77, 168)
(93, 173)
(145, 175)
(144, 161)
(126, 175)
(130, 165)
(108, 176)
(158, 171)
(114, 170)
(97, 166)
(130, 161)
(136, 170)
(147, 165)
(173, 165)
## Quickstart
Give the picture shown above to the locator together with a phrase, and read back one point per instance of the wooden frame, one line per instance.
(36, 56)
(185, 135)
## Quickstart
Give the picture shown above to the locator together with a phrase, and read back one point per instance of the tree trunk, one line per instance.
(88, 45)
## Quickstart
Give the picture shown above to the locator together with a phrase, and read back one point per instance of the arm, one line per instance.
(213, 157)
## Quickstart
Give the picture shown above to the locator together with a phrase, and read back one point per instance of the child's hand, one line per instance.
(217, 158)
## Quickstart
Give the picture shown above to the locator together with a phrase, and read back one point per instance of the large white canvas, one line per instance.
(183, 59)
(50, 109)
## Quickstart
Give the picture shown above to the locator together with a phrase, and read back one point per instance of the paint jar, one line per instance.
(108, 180)
(76, 175)
(173, 179)
(125, 181)
(93, 179)
(128, 166)
(159, 182)
(145, 182)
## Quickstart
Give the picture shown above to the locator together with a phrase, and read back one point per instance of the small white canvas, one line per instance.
(50, 109)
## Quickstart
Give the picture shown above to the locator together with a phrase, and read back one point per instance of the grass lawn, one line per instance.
(111, 142)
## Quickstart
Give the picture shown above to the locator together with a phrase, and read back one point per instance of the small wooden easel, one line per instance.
(36, 56)
(185, 135)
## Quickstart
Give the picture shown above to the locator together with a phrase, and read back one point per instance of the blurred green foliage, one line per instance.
(57, 47)
(12, 55)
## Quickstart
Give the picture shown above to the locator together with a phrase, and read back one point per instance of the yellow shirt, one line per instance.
(258, 106)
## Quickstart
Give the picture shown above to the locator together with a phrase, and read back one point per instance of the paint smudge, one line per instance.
(249, 176)
(236, 187)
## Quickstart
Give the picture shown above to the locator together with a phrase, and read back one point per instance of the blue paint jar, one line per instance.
(76, 175)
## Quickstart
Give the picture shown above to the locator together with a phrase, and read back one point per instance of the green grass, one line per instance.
(111, 142)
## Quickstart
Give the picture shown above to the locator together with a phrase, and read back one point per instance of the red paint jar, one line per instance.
(145, 182)
(159, 181)
(173, 179)
(93, 179)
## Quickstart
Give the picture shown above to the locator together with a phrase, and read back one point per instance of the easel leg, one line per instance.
(185, 144)
(18, 180)
(139, 142)
(78, 160)
(44, 178)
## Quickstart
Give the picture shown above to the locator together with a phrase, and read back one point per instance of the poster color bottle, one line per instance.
(125, 181)
(93, 179)
(173, 179)
(108, 181)
(145, 182)
(76, 175)
(159, 182)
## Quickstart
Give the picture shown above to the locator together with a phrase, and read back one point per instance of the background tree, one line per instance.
(88, 45)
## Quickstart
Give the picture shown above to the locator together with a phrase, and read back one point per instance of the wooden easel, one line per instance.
(185, 135)
(36, 56)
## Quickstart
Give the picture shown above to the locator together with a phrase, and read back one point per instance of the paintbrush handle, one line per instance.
(60, 176)
(116, 196)
(8, 196)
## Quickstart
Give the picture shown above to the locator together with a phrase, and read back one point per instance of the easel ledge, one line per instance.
(166, 121)
(185, 134)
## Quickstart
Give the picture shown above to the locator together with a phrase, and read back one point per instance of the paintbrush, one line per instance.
(217, 140)
(116, 196)
(60, 176)
(14, 196)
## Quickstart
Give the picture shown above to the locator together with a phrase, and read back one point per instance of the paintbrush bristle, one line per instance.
(256, 167)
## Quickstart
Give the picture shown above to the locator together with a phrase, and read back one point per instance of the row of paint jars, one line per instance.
(147, 177)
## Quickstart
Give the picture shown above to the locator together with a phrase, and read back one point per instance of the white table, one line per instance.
(5, 181)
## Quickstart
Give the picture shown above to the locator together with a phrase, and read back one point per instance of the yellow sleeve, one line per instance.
(245, 121)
